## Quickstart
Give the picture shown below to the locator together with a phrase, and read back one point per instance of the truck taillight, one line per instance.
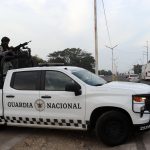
(139, 99)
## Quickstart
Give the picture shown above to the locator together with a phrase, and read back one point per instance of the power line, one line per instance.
(106, 23)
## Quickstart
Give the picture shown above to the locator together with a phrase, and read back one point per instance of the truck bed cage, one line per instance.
(19, 59)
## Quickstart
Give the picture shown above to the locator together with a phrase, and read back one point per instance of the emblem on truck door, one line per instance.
(39, 105)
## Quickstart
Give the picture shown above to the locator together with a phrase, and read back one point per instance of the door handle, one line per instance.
(46, 96)
(10, 96)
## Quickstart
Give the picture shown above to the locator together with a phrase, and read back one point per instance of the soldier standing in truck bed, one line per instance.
(4, 51)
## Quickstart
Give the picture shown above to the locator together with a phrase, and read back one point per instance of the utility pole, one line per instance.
(147, 50)
(115, 69)
(112, 48)
(96, 37)
(146, 53)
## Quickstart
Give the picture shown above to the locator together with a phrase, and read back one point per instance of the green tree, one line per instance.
(137, 69)
(109, 72)
(36, 60)
(104, 72)
(73, 57)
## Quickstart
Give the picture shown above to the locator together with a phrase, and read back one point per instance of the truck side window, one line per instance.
(56, 81)
(25, 80)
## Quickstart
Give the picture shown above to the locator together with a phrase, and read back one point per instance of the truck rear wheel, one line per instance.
(113, 128)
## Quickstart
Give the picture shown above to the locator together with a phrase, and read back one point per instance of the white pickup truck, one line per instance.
(74, 98)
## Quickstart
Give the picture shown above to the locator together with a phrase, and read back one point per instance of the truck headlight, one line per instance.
(139, 99)
(144, 101)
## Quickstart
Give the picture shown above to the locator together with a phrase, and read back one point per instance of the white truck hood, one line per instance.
(137, 88)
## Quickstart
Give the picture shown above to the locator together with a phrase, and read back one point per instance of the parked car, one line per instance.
(133, 78)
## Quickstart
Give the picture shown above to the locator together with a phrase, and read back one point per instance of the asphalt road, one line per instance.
(10, 136)
(145, 82)
(123, 78)
(48, 139)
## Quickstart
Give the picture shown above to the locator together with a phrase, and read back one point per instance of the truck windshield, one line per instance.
(89, 77)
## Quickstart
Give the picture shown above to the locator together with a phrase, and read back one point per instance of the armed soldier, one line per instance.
(5, 50)
(4, 44)
(10, 56)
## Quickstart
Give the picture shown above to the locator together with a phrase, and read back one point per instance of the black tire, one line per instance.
(2, 127)
(113, 128)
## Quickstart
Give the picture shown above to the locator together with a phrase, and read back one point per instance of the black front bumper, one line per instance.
(145, 109)
(142, 127)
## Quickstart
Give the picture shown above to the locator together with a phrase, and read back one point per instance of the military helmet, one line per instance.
(5, 39)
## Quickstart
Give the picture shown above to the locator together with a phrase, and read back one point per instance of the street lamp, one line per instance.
(112, 48)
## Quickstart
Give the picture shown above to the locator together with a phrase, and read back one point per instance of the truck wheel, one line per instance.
(113, 128)
(2, 127)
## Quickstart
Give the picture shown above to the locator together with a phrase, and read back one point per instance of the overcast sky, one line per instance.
(58, 24)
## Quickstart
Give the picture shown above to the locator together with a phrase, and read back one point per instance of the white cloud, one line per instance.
(36, 5)
(77, 15)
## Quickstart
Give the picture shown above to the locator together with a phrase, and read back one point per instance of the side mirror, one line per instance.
(74, 88)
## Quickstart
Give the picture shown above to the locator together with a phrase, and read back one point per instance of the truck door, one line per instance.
(20, 96)
(61, 108)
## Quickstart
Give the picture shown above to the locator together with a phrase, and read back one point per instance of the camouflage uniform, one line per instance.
(7, 65)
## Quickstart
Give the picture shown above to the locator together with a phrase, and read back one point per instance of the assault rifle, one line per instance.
(21, 46)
